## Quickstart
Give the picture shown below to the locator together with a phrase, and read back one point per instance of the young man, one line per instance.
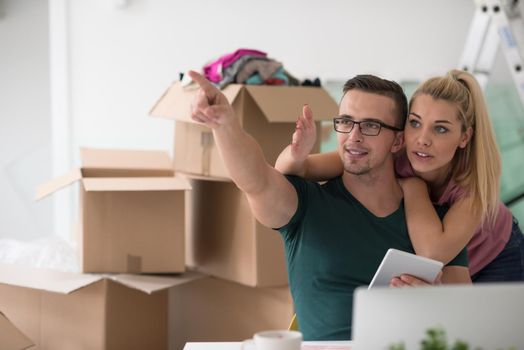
(337, 233)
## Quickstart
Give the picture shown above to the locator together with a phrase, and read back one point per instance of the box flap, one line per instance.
(176, 101)
(119, 162)
(68, 282)
(11, 337)
(49, 280)
(284, 103)
(58, 183)
(192, 176)
(150, 284)
(99, 184)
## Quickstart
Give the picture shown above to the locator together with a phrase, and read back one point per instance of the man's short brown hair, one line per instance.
(375, 85)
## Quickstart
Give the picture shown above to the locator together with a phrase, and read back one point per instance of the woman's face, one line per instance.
(433, 133)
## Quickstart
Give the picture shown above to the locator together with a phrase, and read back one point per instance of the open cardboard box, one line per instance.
(268, 113)
(59, 310)
(131, 211)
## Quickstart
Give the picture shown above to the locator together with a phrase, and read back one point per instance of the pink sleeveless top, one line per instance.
(489, 239)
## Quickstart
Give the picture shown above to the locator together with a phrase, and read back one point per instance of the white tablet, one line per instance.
(397, 262)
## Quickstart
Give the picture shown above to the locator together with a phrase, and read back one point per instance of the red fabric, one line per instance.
(274, 81)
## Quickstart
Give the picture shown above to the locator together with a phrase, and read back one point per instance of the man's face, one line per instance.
(363, 154)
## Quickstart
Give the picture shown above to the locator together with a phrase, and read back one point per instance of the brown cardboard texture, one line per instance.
(211, 309)
(60, 311)
(224, 239)
(11, 337)
(75, 311)
(268, 113)
(131, 211)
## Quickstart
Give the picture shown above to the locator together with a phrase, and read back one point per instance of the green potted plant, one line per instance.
(436, 340)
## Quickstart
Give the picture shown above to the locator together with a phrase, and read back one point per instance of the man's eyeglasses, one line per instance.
(367, 127)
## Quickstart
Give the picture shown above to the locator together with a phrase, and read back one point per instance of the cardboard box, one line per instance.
(131, 211)
(211, 309)
(10, 337)
(224, 239)
(268, 113)
(59, 310)
(80, 311)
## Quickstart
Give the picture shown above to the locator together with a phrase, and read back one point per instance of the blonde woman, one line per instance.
(451, 158)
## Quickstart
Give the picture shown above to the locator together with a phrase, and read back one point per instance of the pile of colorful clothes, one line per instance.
(248, 66)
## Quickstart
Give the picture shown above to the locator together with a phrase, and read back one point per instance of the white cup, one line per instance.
(274, 340)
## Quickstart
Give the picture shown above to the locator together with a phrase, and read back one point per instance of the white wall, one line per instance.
(122, 59)
(116, 62)
(25, 156)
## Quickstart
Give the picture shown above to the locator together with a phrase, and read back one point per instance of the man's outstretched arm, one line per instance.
(272, 198)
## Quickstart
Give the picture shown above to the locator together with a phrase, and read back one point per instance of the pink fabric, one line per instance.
(213, 70)
(488, 240)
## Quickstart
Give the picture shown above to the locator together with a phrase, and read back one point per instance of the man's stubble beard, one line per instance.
(357, 169)
(361, 172)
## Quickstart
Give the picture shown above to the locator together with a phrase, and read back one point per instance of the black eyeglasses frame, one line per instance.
(379, 123)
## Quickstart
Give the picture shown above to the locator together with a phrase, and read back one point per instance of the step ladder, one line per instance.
(496, 23)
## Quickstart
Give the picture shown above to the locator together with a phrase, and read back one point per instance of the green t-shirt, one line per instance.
(333, 244)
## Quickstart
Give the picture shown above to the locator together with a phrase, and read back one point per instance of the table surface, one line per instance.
(307, 345)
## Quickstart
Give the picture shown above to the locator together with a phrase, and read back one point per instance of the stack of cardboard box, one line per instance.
(138, 216)
(223, 238)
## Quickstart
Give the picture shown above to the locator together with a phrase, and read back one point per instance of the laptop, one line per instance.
(489, 316)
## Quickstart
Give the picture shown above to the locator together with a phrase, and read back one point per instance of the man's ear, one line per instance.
(398, 143)
(466, 137)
